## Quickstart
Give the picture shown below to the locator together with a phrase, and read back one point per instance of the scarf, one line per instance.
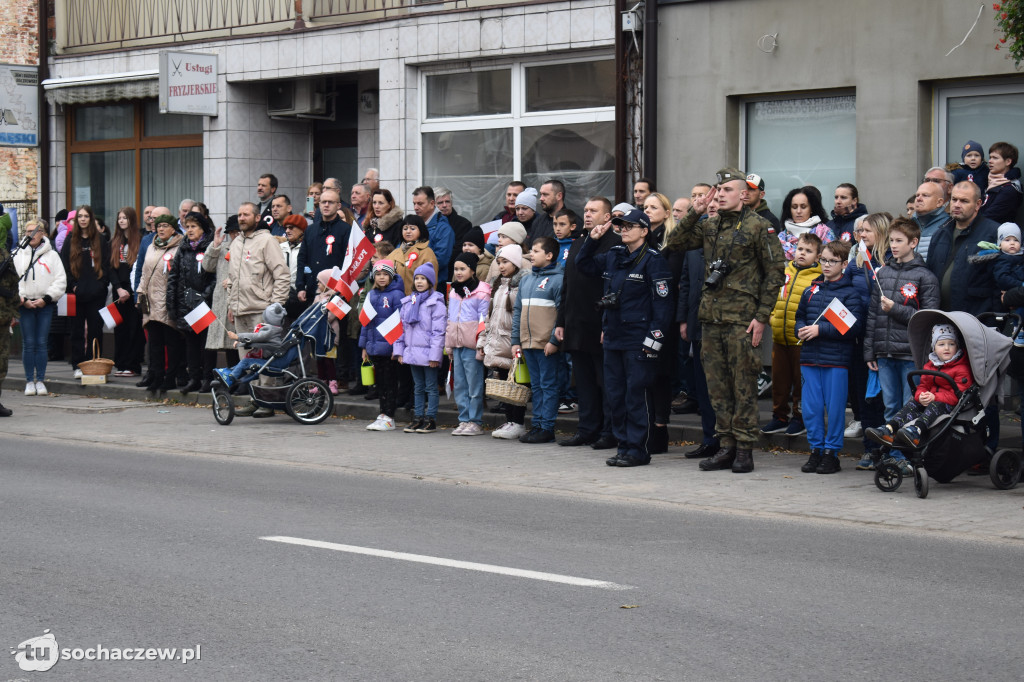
(160, 243)
(464, 289)
(412, 310)
(934, 359)
(797, 229)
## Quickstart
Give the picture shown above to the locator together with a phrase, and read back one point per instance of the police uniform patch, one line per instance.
(656, 333)
(661, 286)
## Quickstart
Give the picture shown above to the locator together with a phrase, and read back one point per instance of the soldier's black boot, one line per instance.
(744, 462)
(722, 459)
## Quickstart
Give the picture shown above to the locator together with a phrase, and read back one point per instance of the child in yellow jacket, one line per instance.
(800, 272)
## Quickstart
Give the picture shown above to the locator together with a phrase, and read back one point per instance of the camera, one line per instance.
(717, 272)
(609, 301)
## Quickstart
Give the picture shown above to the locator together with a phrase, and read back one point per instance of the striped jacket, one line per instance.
(536, 308)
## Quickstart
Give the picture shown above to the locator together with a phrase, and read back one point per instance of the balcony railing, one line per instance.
(93, 25)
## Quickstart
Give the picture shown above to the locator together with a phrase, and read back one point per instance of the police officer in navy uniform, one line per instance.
(638, 313)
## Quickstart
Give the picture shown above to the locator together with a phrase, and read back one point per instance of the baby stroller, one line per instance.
(956, 441)
(306, 399)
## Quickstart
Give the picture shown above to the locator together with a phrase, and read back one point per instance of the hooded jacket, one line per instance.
(188, 283)
(842, 225)
(464, 315)
(388, 226)
(929, 223)
(536, 308)
(385, 301)
(784, 312)
(912, 287)
(422, 341)
(41, 273)
(971, 285)
(496, 340)
(1002, 202)
(269, 333)
(959, 370)
(153, 283)
(831, 348)
(258, 272)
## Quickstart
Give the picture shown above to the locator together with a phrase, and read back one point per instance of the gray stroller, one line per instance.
(956, 442)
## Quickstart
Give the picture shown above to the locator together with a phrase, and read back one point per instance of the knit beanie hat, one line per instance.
(231, 225)
(168, 219)
(387, 266)
(295, 221)
(199, 219)
(971, 146)
(475, 236)
(942, 331)
(623, 208)
(528, 198)
(513, 253)
(470, 259)
(514, 231)
(274, 314)
(1008, 230)
(427, 270)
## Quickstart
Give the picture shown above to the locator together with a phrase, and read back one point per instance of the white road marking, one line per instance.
(452, 563)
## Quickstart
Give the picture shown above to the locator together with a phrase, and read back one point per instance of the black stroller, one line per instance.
(306, 399)
(956, 442)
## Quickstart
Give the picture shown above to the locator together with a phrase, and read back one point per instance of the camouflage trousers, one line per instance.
(732, 364)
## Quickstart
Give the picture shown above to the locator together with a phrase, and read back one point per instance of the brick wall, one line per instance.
(19, 44)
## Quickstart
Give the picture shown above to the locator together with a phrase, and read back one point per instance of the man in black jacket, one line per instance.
(323, 245)
(578, 327)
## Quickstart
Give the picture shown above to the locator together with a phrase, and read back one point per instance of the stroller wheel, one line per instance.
(1005, 469)
(223, 406)
(921, 482)
(309, 401)
(888, 476)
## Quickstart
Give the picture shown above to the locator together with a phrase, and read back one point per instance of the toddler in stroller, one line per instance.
(934, 396)
(267, 335)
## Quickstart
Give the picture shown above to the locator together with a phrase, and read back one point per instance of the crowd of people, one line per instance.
(624, 314)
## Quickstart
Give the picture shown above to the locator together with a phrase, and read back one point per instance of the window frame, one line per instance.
(952, 90)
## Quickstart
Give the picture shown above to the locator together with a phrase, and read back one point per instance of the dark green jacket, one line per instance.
(9, 299)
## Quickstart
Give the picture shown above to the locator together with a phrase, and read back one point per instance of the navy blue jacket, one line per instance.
(313, 256)
(643, 282)
(842, 225)
(385, 302)
(972, 287)
(691, 284)
(1002, 202)
(831, 348)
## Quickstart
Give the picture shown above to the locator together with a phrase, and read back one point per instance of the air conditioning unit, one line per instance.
(292, 98)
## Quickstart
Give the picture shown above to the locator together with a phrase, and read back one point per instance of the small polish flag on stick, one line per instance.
(367, 313)
(66, 305)
(111, 317)
(345, 289)
(480, 326)
(335, 277)
(839, 315)
(338, 307)
(200, 318)
(391, 328)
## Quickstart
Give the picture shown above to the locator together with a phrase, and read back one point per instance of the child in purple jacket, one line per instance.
(421, 345)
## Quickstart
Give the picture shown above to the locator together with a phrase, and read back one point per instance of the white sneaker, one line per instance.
(472, 429)
(30, 388)
(78, 374)
(387, 424)
(509, 431)
(457, 431)
(377, 423)
(41, 388)
(854, 430)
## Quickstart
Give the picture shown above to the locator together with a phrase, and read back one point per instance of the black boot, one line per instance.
(145, 381)
(744, 462)
(657, 439)
(722, 459)
(703, 450)
(168, 384)
(192, 386)
(812, 462)
(155, 383)
(4, 412)
(829, 463)
(205, 386)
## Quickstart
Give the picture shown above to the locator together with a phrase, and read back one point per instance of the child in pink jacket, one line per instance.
(467, 310)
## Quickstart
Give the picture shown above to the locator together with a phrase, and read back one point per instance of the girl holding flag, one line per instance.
(381, 318)
(830, 316)
(190, 286)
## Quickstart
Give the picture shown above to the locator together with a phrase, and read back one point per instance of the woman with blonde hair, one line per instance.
(659, 211)
(86, 259)
(41, 282)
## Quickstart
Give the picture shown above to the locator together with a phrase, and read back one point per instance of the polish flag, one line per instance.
(345, 289)
(339, 307)
(490, 228)
(480, 326)
(334, 279)
(840, 316)
(66, 305)
(111, 317)
(357, 255)
(367, 313)
(391, 328)
(200, 318)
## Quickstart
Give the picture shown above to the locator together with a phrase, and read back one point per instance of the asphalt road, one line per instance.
(126, 549)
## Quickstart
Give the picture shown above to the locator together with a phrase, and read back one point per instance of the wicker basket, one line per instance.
(507, 390)
(97, 366)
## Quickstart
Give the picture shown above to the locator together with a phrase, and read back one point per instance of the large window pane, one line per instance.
(580, 155)
(156, 124)
(104, 180)
(170, 175)
(797, 142)
(986, 119)
(474, 164)
(473, 93)
(571, 86)
(110, 122)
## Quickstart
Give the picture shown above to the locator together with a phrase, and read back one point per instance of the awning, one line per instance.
(102, 88)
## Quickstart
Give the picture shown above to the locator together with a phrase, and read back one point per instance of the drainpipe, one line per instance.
(620, 104)
(43, 172)
(650, 136)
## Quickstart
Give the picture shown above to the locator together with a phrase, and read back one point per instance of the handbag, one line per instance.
(143, 304)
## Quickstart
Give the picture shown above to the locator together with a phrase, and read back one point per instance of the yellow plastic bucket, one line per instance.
(367, 375)
(522, 372)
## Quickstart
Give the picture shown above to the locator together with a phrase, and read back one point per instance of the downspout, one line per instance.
(620, 104)
(43, 167)
(650, 91)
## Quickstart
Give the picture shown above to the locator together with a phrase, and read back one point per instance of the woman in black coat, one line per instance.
(86, 257)
(188, 286)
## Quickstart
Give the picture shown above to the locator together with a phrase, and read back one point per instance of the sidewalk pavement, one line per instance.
(116, 415)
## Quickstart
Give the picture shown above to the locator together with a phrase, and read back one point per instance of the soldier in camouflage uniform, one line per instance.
(9, 302)
(735, 305)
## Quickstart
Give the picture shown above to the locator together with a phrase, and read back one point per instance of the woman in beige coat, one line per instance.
(161, 332)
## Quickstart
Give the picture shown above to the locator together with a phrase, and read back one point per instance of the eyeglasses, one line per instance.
(830, 261)
(328, 202)
(625, 227)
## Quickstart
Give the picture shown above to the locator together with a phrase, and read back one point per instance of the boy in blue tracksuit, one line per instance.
(829, 341)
